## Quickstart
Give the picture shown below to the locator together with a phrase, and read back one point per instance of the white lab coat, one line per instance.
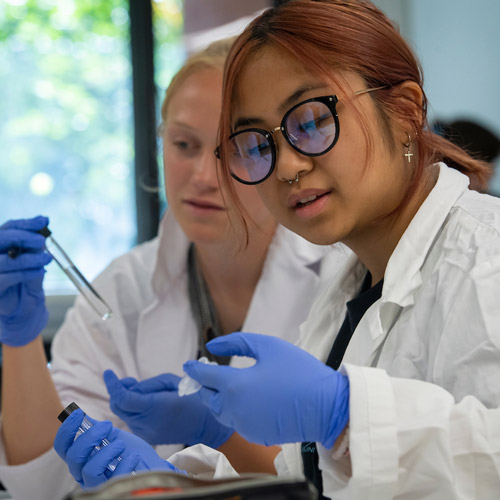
(438, 320)
(152, 331)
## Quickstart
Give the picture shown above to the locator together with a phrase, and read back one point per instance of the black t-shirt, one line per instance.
(356, 308)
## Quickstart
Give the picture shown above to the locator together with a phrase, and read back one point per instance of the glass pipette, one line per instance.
(84, 287)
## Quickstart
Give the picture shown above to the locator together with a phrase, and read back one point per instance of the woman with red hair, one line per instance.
(324, 111)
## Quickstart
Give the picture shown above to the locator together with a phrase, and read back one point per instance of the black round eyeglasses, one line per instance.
(311, 127)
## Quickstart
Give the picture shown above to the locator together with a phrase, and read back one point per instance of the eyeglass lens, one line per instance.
(310, 128)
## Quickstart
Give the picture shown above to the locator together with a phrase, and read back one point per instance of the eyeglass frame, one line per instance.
(330, 101)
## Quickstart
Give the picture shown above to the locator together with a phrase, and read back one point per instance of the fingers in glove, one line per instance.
(34, 224)
(211, 399)
(122, 401)
(112, 380)
(66, 433)
(130, 463)
(252, 345)
(26, 241)
(129, 382)
(210, 376)
(95, 470)
(114, 386)
(8, 280)
(24, 262)
(81, 450)
(160, 383)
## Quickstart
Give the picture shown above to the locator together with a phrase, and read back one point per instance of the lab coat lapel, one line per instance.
(368, 335)
(371, 333)
(167, 323)
(403, 273)
(341, 276)
(170, 330)
(290, 260)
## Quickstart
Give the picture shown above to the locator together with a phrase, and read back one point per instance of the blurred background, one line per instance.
(81, 83)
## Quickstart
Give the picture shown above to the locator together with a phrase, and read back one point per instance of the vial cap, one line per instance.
(45, 231)
(67, 411)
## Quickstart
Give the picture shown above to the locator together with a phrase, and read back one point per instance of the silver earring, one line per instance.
(296, 179)
(408, 154)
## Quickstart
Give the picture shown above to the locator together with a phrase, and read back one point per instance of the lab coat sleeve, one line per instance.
(83, 347)
(410, 439)
(468, 353)
(77, 378)
(45, 478)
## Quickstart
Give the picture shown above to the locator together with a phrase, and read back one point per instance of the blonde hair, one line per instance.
(213, 56)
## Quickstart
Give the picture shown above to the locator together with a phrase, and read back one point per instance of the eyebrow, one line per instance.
(180, 125)
(293, 98)
(284, 105)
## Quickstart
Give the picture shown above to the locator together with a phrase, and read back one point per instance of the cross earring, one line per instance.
(408, 154)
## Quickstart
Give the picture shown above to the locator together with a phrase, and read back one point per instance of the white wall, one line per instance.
(458, 44)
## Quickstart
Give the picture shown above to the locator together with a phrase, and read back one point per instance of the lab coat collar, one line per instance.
(403, 272)
(171, 254)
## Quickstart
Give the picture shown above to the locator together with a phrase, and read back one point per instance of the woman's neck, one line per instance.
(231, 275)
(376, 246)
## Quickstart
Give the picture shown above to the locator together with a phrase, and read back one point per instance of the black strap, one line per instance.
(203, 309)
(356, 308)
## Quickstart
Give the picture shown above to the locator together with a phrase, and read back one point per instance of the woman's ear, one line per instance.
(412, 97)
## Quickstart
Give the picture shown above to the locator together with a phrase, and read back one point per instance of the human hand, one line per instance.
(287, 396)
(90, 467)
(154, 411)
(23, 314)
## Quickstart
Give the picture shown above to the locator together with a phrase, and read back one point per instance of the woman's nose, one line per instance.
(289, 162)
(205, 170)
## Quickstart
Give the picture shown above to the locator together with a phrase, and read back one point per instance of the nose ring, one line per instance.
(296, 179)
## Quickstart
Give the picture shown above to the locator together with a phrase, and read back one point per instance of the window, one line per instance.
(67, 126)
(67, 120)
(68, 133)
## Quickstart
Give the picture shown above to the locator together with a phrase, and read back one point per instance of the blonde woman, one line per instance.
(160, 293)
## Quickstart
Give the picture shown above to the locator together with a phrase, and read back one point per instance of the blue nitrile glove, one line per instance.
(23, 314)
(90, 471)
(288, 396)
(154, 411)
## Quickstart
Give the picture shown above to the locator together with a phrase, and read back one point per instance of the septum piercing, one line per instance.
(296, 179)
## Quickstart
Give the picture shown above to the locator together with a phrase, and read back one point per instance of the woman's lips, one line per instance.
(309, 203)
(203, 205)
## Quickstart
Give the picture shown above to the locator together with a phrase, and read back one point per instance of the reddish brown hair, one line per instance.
(328, 36)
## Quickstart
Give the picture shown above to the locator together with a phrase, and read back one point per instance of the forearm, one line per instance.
(249, 457)
(30, 403)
